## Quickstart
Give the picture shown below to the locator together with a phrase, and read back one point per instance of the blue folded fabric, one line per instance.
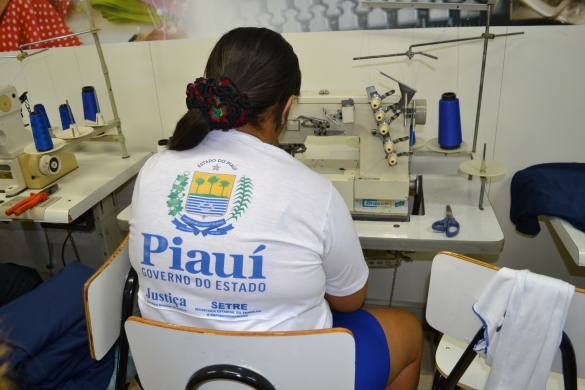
(47, 334)
(47, 312)
(16, 280)
(553, 189)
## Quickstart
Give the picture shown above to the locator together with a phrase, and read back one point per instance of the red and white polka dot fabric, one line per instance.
(25, 21)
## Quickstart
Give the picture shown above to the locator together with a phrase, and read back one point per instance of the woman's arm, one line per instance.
(3, 5)
(348, 303)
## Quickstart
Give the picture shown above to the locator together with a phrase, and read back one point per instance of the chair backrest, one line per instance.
(102, 296)
(166, 356)
(457, 282)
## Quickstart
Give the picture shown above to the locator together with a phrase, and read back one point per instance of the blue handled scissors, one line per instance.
(449, 225)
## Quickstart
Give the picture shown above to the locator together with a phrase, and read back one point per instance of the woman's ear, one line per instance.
(286, 109)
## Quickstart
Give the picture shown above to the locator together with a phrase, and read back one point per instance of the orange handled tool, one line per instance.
(31, 201)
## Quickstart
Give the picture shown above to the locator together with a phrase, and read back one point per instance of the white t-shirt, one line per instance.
(236, 234)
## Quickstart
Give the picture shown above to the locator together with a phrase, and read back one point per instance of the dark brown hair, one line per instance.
(261, 63)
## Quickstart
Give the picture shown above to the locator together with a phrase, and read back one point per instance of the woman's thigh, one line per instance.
(404, 337)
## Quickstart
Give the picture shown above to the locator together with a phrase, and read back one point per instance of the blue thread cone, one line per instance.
(41, 108)
(449, 122)
(40, 131)
(90, 107)
(64, 113)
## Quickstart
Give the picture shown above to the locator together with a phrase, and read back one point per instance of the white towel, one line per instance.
(523, 315)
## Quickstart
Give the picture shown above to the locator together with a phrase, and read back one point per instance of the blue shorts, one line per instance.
(372, 365)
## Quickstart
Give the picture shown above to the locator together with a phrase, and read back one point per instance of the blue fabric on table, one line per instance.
(372, 363)
(553, 189)
(47, 334)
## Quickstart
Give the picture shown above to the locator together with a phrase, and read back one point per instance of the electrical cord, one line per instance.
(63, 248)
(50, 266)
(77, 257)
(70, 238)
(397, 262)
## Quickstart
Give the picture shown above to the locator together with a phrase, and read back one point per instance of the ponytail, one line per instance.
(190, 130)
(266, 71)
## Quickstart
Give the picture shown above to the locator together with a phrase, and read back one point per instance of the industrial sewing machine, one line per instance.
(357, 141)
(22, 166)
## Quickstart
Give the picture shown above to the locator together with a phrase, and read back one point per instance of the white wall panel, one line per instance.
(132, 77)
(531, 110)
(176, 64)
(540, 121)
(327, 63)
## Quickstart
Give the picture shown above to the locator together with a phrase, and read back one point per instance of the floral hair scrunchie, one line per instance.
(224, 105)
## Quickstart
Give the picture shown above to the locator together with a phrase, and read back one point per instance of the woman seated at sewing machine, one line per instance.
(229, 232)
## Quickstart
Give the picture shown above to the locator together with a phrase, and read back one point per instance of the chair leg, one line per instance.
(437, 380)
(127, 306)
(569, 363)
(463, 363)
(138, 381)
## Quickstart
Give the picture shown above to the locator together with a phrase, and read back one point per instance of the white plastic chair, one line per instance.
(457, 282)
(177, 357)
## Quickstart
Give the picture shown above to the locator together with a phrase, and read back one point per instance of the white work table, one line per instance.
(101, 171)
(572, 238)
(480, 231)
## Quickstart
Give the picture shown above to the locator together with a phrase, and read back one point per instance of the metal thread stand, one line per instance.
(486, 36)
(94, 31)
(119, 137)
(450, 6)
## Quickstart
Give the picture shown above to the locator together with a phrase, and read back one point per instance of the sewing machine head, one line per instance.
(13, 135)
(355, 140)
(21, 166)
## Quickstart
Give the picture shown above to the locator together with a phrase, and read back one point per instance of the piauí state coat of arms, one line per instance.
(209, 198)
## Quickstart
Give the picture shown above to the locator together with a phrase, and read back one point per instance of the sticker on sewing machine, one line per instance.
(376, 203)
(380, 205)
(5, 175)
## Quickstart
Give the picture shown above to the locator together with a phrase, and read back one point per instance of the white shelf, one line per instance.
(573, 239)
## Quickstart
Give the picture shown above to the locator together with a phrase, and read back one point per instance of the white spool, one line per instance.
(376, 102)
(380, 114)
(162, 145)
(383, 128)
(389, 146)
(49, 165)
(392, 159)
